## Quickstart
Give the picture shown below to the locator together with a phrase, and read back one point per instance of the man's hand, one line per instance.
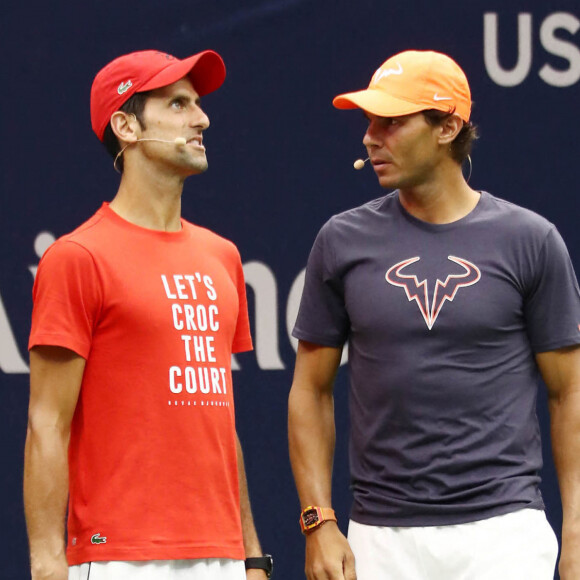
(50, 569)
(328, 555)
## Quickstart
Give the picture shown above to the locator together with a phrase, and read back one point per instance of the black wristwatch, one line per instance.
(265, 562)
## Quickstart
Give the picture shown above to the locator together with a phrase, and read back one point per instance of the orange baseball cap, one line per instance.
(410, 82)
(146, 70)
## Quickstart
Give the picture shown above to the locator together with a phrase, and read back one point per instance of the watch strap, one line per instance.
(265, 562)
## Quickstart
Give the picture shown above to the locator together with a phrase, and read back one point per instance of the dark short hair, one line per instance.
(463, 142)
(133, 106)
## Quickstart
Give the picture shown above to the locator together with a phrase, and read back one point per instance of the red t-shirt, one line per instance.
(156, 315)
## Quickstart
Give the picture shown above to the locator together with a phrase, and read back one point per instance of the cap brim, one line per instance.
(377, 102)
(206, 70)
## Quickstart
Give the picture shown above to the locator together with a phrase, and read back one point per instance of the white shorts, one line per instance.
(516, 546)
(202, 569)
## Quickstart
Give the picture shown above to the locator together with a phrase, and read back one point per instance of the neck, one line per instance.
(150, 200)
(442, 199)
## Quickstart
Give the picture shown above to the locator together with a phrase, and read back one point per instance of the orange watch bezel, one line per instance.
(321, 515)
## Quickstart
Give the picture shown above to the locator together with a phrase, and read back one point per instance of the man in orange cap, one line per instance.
(453, 303)
(136, 315)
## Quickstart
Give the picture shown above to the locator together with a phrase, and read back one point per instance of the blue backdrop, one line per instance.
(280, 164)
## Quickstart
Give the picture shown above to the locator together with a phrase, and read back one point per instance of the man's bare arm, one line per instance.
(561, 372)
(311, 432)
(251, 542)
(55, 379)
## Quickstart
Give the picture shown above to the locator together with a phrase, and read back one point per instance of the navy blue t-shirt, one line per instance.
(442, 323)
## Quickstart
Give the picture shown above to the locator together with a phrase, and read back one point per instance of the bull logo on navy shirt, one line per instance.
(419, 291)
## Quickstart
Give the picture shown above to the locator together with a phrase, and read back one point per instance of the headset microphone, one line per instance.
(176, 141)
(360, 163)
(179, 141)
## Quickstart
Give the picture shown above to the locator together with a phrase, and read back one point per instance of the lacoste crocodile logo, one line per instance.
(419, 291)
(98, 539)
(124, 87)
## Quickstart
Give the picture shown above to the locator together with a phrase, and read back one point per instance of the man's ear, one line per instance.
(449, 128)
(125, 126)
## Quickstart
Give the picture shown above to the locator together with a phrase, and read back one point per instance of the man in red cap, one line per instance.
(136, 315)
(453, 303)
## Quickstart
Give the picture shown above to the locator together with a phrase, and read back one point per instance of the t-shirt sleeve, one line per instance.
(552, 307)
(67, 298)
(242, 338)
(322, 316)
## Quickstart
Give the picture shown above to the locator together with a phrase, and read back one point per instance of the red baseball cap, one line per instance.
(410, 82)
(146, 70)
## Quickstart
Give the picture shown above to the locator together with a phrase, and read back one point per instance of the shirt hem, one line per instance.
(317, 339)
(145, 554)
(439, 519)
(60, 341)
(556, 344)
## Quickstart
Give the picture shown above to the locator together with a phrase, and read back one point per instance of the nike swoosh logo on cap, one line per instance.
(436, 97)
(124, 87)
